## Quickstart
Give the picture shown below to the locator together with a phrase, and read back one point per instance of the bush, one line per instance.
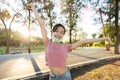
(1, 51)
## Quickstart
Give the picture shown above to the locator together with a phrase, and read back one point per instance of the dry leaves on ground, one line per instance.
(109, 71)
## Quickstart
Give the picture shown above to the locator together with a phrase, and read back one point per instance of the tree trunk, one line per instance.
(70, 34)
(51, 24)
(104, 33)
(70, 23)
(116, 36)
(7, 36)
(7, 43)
(29, 50)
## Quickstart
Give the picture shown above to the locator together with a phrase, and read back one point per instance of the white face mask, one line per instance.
(56, 40)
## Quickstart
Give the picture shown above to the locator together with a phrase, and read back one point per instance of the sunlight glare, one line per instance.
(24, 32)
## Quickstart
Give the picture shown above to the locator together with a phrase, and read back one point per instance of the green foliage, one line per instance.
(17, 39)
(23, 49)
(2, 49)
(2, 37)
(110, 31)
(71, 10)
(96, 44)
(99, 44)
(19, 42)
(37, 41)
(47, 13)
(94, 35)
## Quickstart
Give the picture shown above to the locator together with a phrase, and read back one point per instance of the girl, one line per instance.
(55, 52)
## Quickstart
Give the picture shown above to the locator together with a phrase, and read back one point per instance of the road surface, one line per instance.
(20, 65)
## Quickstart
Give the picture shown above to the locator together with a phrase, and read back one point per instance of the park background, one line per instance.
(20, 33)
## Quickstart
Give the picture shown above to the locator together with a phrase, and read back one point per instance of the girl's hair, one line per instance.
(56, 26)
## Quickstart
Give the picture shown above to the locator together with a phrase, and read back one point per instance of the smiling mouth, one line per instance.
(57, 37)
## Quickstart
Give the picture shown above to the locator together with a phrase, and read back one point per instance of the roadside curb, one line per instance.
(95, 61)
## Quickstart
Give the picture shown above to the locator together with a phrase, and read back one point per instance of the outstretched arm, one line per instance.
(82, 42)
(40, 21)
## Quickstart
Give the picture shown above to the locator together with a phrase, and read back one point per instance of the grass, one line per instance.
(25, 49)
(33, 49)
(22, 49)
(110, 71)
(79, 48)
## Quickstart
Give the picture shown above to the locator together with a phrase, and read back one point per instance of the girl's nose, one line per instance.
(59, 34)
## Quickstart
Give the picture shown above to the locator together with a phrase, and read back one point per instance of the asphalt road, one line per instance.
(14, 66)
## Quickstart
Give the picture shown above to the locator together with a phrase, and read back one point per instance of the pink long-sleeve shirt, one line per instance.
(56, 54)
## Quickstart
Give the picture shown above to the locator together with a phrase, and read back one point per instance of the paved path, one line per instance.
(13, 66)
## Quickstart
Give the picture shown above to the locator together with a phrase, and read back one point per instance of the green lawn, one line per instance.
(22, 49)
(25, 49)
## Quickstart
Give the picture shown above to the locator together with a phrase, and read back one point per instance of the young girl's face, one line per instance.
(59, 33)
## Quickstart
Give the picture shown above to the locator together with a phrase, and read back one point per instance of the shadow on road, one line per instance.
(76, 54)
(35, 66)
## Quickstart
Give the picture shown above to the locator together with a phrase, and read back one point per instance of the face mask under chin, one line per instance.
(56, 40)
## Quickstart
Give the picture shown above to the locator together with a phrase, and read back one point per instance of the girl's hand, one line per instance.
(108, 41)
(29, 6)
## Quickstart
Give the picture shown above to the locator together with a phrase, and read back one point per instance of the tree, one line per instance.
(2, 37)
(78, 34)
(116, 36)
(114, 12)
(110, 9)
(30, 20)
(47, 13)
(109, 29)
(6, 14)
(45, 8)
(71, 9)
(94, 35)
(4, 17)
(50, 13)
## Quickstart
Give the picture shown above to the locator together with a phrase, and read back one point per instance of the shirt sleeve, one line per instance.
(69, 47)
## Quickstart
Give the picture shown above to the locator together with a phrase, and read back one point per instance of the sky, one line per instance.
(87, 23)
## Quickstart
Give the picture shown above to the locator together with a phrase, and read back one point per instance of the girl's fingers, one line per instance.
(29, 6)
